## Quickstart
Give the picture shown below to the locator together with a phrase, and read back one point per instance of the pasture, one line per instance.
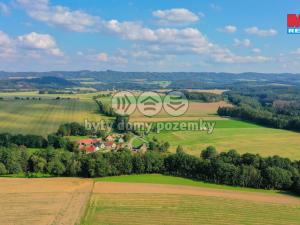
(241, 136)
(43, 201)
(141, 201)
(44, 116)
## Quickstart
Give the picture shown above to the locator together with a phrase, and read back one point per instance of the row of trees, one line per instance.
(105, 109)
(55, 140)
(247, 170)
(203, 96)
(264, 109)
(262, 117)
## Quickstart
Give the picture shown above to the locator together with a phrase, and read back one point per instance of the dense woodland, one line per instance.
(277, 107)
(247, 170)
(203, 96)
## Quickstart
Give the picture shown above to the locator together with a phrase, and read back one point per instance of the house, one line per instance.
(102, 146)
(88, 145)
(91, 149)
(86, 142)
(109, 138)
(110, 144)
(121, 140)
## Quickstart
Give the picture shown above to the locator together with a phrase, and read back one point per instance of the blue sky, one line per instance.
(143, 35)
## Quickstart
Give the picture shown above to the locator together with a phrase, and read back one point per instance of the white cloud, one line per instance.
(242, 43)
(162, 41)
(4, 39)
(228, 29)
(75, 20)
(7, 48)
(260, 32)
(102, 57)
(176, 16)
(43, 42)
(4, 9)
(256, 50)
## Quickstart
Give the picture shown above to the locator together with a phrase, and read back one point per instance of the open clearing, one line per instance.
(43, 201)
(133, 203)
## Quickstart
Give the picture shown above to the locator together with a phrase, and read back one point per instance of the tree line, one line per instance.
(55, 140)
(203, 96)
(263, 110)
(230, 168)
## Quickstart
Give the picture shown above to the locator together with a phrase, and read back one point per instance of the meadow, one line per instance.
(171, 180)
(234, 134)
(150, 199)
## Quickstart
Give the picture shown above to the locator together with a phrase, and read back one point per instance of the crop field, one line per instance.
(241, 136)
(196, 110)
(144, 203)
(44, 116)
(140, 199)
(43, 201)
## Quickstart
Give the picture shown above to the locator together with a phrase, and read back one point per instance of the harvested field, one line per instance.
(43, 201)
(196, 110)
(123, 203)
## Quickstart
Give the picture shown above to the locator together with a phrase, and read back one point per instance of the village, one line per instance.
(113, 142)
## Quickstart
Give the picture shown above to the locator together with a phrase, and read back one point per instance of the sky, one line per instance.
(143, 35)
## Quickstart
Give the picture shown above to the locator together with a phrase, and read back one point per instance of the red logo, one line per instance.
(293, 20)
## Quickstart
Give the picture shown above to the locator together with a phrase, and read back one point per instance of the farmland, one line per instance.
(234, 134)
(44, 116)
(43, 201)
(140, 199)
(142, 203)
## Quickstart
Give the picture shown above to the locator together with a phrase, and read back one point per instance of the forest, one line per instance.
(268, 106)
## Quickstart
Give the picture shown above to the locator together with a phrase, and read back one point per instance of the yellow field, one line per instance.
(43, 201)
(196, 110)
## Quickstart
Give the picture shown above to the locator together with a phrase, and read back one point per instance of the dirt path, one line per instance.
(105, 187)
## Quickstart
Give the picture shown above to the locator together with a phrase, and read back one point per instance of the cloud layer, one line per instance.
(177, 16)
(260, 32)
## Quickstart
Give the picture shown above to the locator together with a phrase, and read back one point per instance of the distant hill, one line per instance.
(47, 82)
(50, 81)
(103, 80)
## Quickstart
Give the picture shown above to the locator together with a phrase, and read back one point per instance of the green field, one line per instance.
(132, 209)
(45, 116)
(163, 179)
(144, 207)
(233, 134)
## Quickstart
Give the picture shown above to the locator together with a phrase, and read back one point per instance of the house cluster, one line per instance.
(113, 142)
(95, 144)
